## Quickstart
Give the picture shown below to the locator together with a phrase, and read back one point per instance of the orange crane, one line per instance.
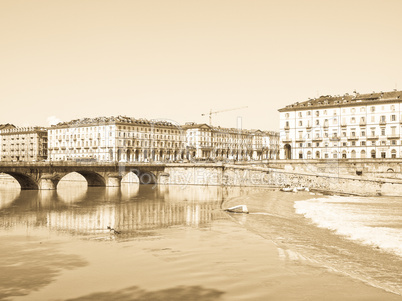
(216, 112)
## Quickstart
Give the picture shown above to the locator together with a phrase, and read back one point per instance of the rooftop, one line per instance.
(114, 120)
(193, 125)
(345, 100)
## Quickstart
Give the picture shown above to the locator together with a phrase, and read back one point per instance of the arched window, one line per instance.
(393, 154)
(317, 155)
(308, 155)
(373, 153)
(353, 154)
(344, 155)
(363, 154)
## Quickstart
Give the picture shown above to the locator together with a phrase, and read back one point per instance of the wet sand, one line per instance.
(222, 261)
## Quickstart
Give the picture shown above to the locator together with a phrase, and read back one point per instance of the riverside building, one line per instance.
(23, 143)
(342, 127)
(207, 142)
(118, 138)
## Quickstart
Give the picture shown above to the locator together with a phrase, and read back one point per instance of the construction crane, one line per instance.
(216, 112)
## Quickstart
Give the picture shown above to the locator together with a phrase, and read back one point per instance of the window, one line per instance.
(363, 143)
(363, 134)
(317, 122)
(383, 132)
(308, 113)
(383, 155)
(393, 117)
(317, 113)
(300, 114)
(300, 123)
(353, 120)
(372, 110)
(287, 115)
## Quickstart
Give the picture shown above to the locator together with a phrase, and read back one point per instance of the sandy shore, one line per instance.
(179, 263)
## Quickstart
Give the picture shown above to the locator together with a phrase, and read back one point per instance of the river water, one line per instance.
(175, 243)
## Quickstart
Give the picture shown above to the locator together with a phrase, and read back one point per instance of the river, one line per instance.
(176, 243)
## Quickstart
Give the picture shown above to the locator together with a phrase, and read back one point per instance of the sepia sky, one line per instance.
(68, 59)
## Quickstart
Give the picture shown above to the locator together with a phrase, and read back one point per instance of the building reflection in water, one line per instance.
(132, 209)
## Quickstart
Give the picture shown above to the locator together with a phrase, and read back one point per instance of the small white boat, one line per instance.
(238, 209)
(288, 189)
(302, 188)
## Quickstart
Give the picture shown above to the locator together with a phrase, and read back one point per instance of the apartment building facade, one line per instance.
(341, 127)
(23, 144)
(118, 138)
(207, 142)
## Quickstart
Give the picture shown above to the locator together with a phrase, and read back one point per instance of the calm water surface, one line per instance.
(359, 237)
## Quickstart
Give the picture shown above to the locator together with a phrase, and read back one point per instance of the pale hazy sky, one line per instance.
(178, 59)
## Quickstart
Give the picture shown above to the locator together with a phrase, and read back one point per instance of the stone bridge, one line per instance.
(46, 175)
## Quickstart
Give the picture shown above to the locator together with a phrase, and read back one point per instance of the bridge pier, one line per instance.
(113, 180)
(48, 182)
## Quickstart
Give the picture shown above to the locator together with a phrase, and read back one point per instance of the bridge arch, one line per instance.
(145, 177)
(26, 181)
(130, 177)
(93, 179)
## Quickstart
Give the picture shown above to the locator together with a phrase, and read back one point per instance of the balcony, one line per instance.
(383, 122)
(287, 140)
(287, 127)
(353, 138)
(309, 127)
(335, 138)
(299, 139)
(362, 123)
(372, 137)
(317, 139)
(393, 136)
(343, 125)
